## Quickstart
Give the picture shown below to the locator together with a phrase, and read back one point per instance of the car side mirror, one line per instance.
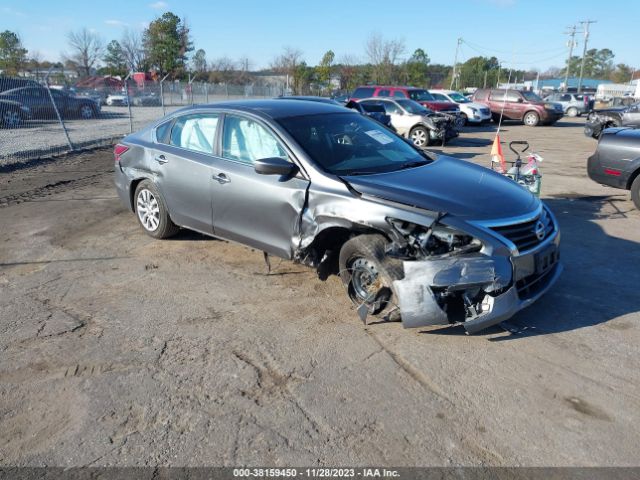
(274, 166)
(520, 100)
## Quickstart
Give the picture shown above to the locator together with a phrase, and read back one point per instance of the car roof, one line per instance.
(273, 108)
(403, 87)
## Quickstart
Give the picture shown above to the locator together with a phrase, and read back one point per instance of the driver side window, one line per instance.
(245, 141)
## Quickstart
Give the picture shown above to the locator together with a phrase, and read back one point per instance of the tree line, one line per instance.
(165, 47)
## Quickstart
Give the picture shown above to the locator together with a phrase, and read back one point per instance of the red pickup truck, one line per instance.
(419, 95)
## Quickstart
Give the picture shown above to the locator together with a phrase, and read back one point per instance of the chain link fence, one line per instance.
(38, 120)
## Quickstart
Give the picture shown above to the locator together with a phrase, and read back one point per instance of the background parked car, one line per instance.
(419, 95)
(573, 104)
(616, 161)
(469, 111)
(415, 122)
(519, 105)
(598, 120)
(13, 114)
(375, 111)
(9, 83)
(38, 100)
(146, 99)
(117, 99)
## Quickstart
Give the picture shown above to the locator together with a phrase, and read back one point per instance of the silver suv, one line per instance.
(573, 104)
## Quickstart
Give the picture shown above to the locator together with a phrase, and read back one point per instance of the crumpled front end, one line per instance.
(480, 290)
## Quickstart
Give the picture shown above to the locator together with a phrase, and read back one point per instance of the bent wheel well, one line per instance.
(329, 242)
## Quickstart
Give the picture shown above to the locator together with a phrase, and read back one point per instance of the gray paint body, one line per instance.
(286, 216)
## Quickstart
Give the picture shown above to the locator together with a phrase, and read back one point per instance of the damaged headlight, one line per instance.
(435, 240)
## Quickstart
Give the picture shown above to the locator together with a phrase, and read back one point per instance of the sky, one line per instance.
(524, 34)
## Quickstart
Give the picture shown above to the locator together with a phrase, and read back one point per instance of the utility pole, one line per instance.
(585, 24)
(572, 43)
(455, 64)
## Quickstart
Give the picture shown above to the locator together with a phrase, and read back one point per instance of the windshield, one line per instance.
(414, 107)
(458, 97)
(530, 96)
(420, 96)
(351, 144)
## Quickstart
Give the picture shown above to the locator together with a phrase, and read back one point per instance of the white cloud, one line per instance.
(16, 13)
(159, 5)
(116, 23)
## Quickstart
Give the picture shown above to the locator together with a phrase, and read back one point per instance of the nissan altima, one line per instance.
(429, 240)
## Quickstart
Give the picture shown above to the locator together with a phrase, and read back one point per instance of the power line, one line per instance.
(540, 52)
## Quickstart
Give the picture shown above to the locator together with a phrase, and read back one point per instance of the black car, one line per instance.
(616, 161)
(598, 120)
(376, 111)
(13, 114)
(38, 100)
(9, 83)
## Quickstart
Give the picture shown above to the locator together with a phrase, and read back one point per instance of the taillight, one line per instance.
(118, 150)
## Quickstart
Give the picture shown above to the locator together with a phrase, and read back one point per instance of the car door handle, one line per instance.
(161, 159)
(221, 178)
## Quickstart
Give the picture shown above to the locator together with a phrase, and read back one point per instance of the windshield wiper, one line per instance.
(414, 164)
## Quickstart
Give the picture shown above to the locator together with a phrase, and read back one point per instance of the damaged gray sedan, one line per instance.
(430, 240)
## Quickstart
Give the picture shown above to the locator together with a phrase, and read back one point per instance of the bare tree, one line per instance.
(348, 70)
(287, 63)
(87, 48)
(132, 50)
(383, 55)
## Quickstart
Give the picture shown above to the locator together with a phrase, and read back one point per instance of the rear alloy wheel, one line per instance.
(635, 192)
(11, 119)
(531, 119)
(87, 112)
(152, 212)
(463, 119)
(419, 136)
(572, 111)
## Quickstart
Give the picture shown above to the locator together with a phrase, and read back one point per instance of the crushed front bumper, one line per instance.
(510, 284)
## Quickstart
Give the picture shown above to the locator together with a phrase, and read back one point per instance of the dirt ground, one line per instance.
(117, 349)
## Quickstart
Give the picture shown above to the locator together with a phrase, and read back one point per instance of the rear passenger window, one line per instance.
(399, 93)
(384, 93)
(162, 132)
(363, 92)
(497, 95)
(195, 132)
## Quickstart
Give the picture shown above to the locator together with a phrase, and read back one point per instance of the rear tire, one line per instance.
(635, 192)
(368, 274)
(151, 211)
(572, 112)
(86, 112)
(11, 118)
(531, 119)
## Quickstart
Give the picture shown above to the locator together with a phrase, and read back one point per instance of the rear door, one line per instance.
(262, 211)
(183, 164)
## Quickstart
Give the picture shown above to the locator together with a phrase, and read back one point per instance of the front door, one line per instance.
(262, 211)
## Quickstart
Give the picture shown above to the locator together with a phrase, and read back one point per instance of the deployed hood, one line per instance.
(452, 186)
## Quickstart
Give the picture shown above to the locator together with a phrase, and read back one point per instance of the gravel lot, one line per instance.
(117, 349)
